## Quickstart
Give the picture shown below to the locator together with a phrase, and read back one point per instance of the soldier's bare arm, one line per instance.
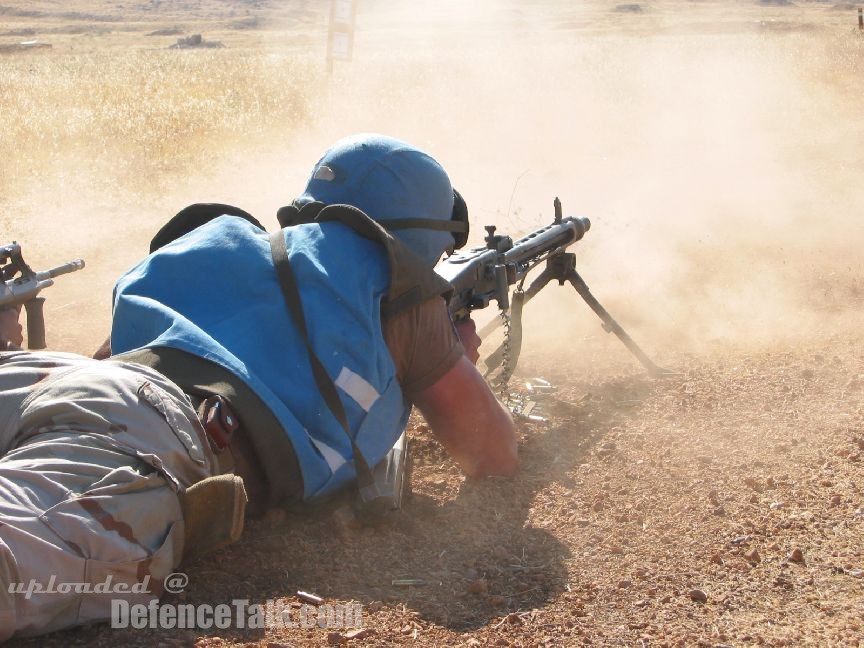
(474, 427)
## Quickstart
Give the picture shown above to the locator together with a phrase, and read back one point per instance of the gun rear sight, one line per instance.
(498, 242)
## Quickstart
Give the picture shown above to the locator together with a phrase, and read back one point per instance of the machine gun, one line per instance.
(485, 273)
(481, 275)
(21, 287)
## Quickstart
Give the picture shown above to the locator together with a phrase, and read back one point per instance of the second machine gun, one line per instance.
(21, 286)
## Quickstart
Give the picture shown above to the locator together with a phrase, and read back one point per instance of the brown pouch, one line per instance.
(213, 512)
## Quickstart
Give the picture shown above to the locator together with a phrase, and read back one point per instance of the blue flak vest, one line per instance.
(214, 293)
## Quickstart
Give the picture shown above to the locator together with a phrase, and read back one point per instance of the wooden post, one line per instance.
(861, 19)
(340, 37)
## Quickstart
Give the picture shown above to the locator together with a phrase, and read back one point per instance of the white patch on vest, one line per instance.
(333, 458)
(324, 173)
(357, 388)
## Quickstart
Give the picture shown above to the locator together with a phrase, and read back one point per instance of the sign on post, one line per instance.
(340, 40)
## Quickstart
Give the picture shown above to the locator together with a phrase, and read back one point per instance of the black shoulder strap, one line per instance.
(411, 281)
(325, 384)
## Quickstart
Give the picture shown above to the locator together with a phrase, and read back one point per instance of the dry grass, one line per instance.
(137, 113)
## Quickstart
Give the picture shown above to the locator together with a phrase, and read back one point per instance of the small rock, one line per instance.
(785, 583)
(479, 586)
(345, 521)
(753, 556)
(777, 505)
(514, 619)
(616, 549)
(740, 565)
(699, 596)
(797, 556)
(754, 499)
(717, 559)
(624, 583)
(719, 511)
(334, 638)
(275, 516)
(357, 633)
(754, 484)
(835, 500)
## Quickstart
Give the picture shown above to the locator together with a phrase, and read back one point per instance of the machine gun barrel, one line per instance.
(66, 268)
(547, 239)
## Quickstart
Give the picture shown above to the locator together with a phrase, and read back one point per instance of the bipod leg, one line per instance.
(611, 326)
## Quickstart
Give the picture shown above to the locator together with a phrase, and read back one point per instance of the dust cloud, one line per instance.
(715, 148)
(718, 155)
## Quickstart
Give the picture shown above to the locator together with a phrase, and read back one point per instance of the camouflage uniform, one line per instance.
(93, 459)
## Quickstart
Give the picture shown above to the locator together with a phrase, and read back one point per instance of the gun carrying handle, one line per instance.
(35, 323)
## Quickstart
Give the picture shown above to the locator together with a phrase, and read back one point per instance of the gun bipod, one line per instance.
(562, 268)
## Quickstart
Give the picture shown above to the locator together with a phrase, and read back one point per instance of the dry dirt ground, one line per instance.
(721, 506)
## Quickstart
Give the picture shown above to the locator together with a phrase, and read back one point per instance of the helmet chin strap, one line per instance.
(424, 223)
(305, 211)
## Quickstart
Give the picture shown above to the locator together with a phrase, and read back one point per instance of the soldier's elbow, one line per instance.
(500, 461)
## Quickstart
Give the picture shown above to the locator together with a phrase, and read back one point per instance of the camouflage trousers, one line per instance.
(93, 459)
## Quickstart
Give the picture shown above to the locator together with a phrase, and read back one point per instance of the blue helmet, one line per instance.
(396, 184)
